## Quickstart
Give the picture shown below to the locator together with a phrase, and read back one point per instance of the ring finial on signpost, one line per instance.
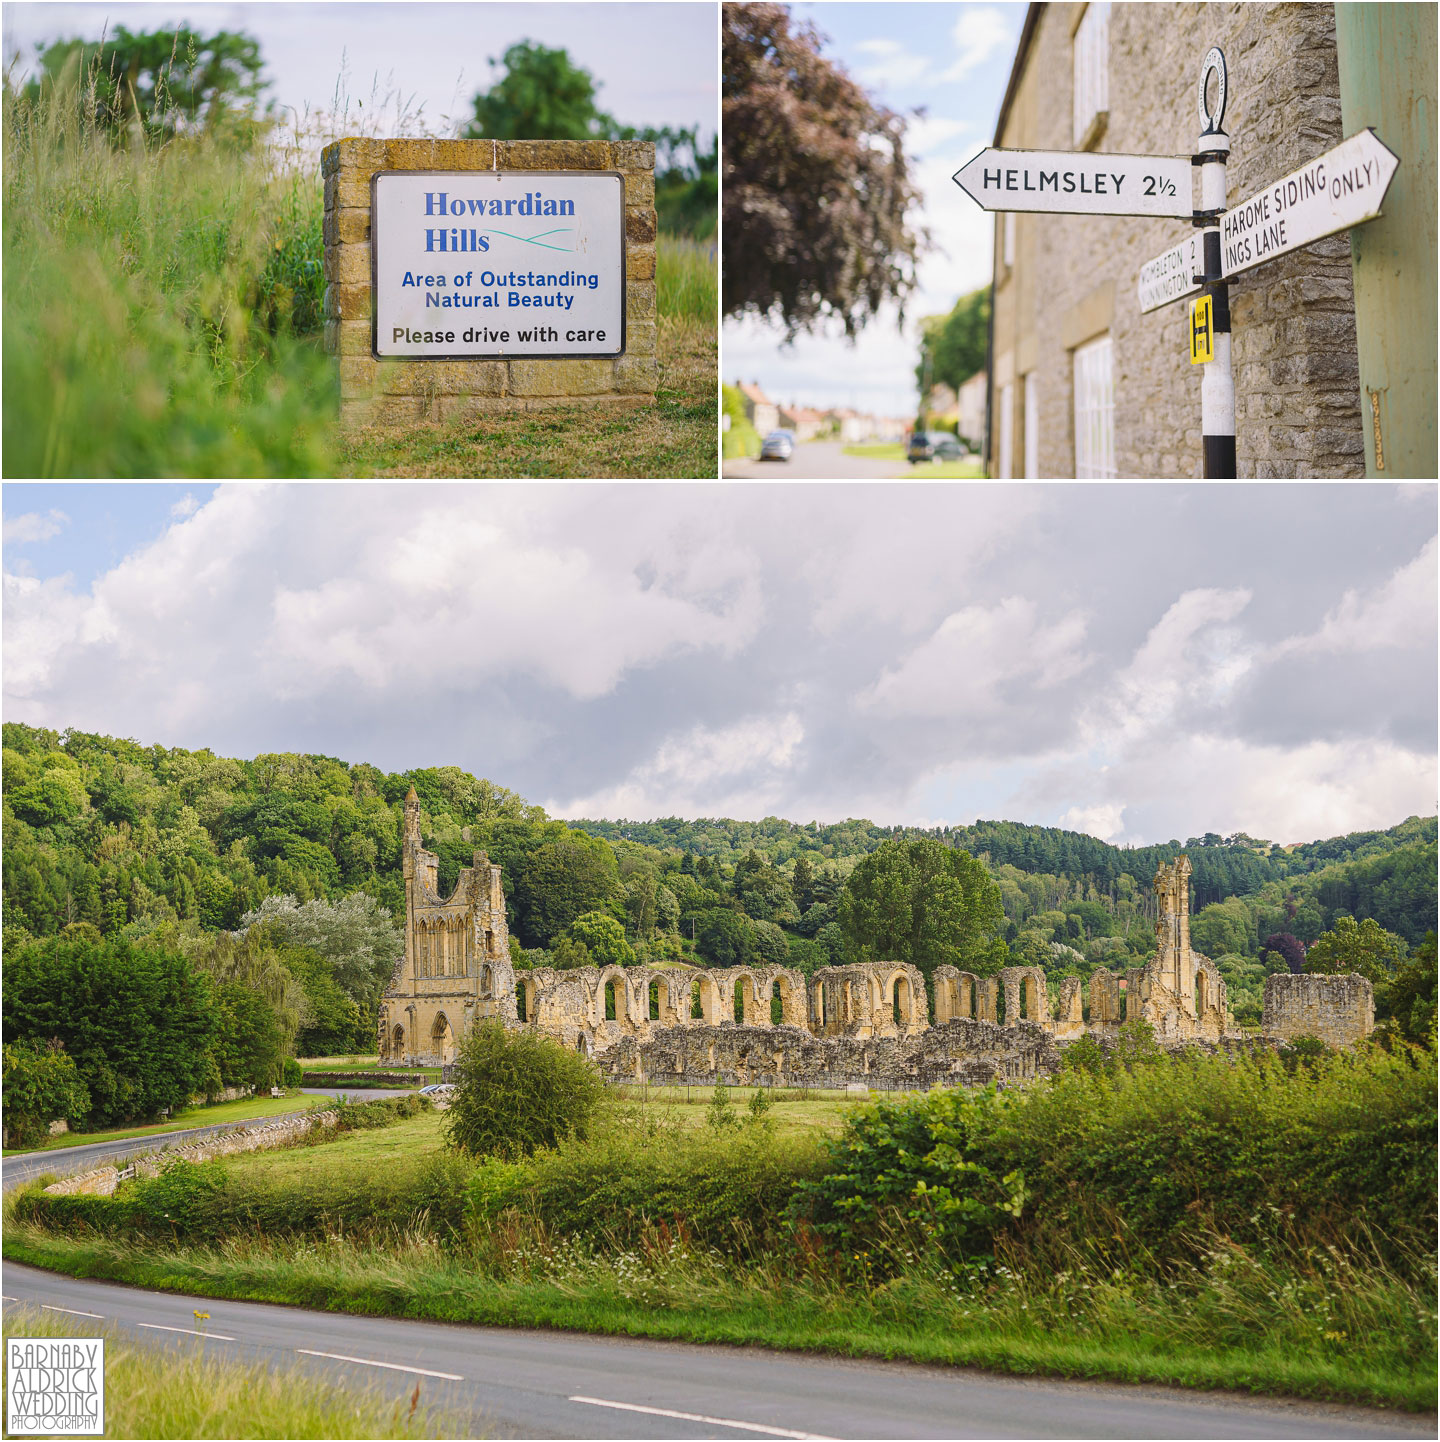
(1214, 61)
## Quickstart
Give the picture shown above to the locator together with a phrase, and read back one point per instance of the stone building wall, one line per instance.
(398, 392)
(1339, 1010)
(1074, 277)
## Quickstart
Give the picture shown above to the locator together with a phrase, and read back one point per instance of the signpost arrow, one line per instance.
(1079, 182)
(1341, 188)
(1171, 276)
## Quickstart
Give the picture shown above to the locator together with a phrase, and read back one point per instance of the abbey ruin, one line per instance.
(771, 1025)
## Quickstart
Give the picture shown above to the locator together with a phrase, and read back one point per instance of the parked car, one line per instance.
(933, 446)
(437, 1089)
(777, 446)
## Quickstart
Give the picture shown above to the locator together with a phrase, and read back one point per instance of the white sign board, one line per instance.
(488, 263)
(1079, 182)
(1341, 188)
(1171, 276)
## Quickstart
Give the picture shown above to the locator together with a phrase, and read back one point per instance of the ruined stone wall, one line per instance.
(1297, 380)
(1339, 1010)
(402, 392)
(843, 1023)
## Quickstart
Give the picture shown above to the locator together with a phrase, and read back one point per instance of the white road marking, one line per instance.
(46, 1307)
(392, 1366)
(700, 1417)
(4, 1298)
(189, 1331)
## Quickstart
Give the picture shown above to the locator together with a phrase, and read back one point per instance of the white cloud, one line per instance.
(187, 505)
(1105, 821)
(735, 770)
(888, 63)
(34, 526)
(1399, 613)
(980, 31)
(960, 670)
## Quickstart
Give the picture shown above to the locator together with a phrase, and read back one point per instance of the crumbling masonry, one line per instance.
(771, 1025)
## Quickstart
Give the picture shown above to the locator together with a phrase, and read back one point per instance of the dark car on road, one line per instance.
(778, 446)
(933, 446)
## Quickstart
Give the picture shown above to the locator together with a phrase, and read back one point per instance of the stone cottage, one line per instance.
(1082, 383)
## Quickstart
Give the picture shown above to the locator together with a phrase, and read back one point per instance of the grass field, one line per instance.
(150, 1393)
(970, 469)
(245, 1110)
(163, 317)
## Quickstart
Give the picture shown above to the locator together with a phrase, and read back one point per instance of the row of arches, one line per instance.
(446, 946)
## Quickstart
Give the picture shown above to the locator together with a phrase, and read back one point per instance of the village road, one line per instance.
(66, 1161)
(818, 461)
(490, 1382)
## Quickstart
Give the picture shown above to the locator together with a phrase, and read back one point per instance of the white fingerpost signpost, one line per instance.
(1341, 188)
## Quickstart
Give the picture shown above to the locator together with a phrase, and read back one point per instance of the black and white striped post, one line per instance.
(1217, 384)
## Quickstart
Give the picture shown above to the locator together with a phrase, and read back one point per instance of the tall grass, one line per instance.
(687, 279)
(162, 300)
(174, 1394)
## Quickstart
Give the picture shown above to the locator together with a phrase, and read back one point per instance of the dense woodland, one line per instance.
(279, 880)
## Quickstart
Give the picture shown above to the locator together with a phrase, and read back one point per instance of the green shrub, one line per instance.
(293, 1073)
(1147, 1159)
(729, 1187)
(41, 1085)
(516, 1092)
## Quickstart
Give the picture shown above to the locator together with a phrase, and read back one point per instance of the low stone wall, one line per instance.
(364, 1079)
(102, 1181)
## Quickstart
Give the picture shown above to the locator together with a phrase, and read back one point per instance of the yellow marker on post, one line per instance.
(1202, 331)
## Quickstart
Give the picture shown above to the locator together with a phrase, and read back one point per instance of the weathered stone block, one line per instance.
(560, 377)
(350, 264)
(640, 338)
(640, 188)
(634, 154)
(637, 375)
(443, 377)
(348, 302)
(640, 225)
(640, 262)
(359, 375)
(639, 301)
(347, 187)
(439, 155)
(346, 227)
(554, 154)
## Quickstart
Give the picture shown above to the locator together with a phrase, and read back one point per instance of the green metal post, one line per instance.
(1387, 56)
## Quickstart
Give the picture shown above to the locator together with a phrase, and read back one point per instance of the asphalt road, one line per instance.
(66, 1161)
(819, 461)
(500, 1383)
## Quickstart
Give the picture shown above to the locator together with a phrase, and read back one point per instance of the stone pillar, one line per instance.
(407, 391)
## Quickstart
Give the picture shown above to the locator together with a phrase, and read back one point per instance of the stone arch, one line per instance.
(612, 977)
(442, 1035)
(748, 989)
(900, 999)
(711, 1000)
(397, 1043)
(790, 987)
(652, 1000)
(580, 1045)
(487, 980)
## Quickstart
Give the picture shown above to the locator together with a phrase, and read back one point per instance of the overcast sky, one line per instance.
(952, 62)
(1138, 662)
(656, 63)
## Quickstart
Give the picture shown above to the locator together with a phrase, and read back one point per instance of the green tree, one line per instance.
(248, 1047)
(41, 1085)
(161, 80)
(1412, 994)
(516, 1093)
(724, 938)
(953, 346)
(564, 879)
(603, 937)
(135, 1017)
(1224, 926)
(540, 94)
(925, 904)
(1364, 948)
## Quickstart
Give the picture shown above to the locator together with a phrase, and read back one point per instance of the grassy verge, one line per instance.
(675, 437)
(361, 1063)
(221, 1114)
(970, 470)
(1093, 1327)
(150, 1394)
(886, 451)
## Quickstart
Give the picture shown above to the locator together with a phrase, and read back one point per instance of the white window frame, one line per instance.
(1032, 427)
(1092, 66)
(1095, 410)
(1007, 432)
